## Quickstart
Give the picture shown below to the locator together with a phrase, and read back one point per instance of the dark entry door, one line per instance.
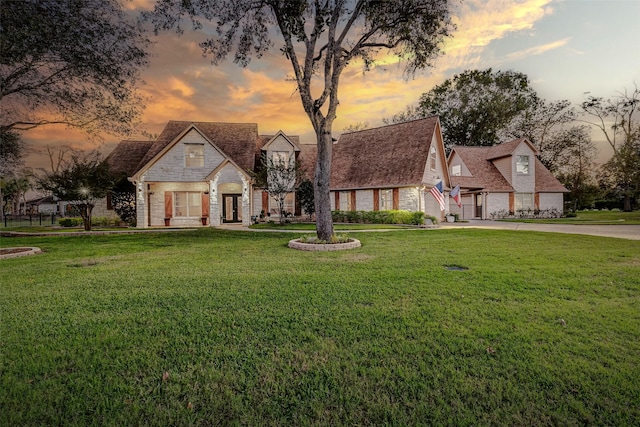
(478, 205)
(231, 208)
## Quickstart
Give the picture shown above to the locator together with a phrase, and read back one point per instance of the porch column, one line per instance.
(214, 205)
(246, 202)
(141, 205)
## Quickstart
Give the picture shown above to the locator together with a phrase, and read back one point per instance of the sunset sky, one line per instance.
(566, 48)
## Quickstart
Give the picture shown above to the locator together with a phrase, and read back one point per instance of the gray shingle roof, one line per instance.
(126, 157)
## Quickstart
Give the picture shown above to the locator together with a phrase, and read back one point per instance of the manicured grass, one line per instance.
(591, 217)
(220, 327)
(304, 226)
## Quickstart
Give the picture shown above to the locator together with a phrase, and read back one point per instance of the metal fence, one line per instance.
(39, 219)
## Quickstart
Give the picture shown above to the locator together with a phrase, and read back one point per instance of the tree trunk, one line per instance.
(85, 213)
(324, 221)
(627, 203)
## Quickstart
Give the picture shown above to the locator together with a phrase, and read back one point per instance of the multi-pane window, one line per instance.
(523, 201)
(345, 200)
(386, 200)
(194, 155)
(187, 204)
(280, 158)
(432, 158)
(522, 165)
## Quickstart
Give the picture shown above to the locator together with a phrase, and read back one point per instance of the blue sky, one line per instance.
(566, 48)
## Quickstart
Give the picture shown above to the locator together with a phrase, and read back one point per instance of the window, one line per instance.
(280, 158)
(522, 165)
(432, 158)
(386, 200)
(345, 200)
(187, 204)
(455, 170)
(194, 155)
(523, 201)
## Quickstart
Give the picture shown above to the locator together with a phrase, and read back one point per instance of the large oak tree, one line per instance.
(320, 38)
(72, 62)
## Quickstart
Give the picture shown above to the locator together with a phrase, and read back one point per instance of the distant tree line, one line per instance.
(487, 107)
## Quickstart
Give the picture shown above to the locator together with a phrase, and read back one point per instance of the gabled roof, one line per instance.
(237, 140)
(126, 157)
(484, 174)
(394, 155)
(507, 148)
(293, 140)
(546, 182)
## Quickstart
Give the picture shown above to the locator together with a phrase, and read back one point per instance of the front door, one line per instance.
(232, 208)
(478, 205)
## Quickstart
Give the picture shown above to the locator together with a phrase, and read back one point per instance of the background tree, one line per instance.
(475, 106)
(304, 195)
(14, 189)
(575, 166)
(123, 198)
(69, 62)
(320, 38)
(278, 177)
(355, 127)
(486, 107)
(81, 181)
(618, 120)
(11, 159)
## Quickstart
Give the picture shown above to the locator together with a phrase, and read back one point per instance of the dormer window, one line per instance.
(522, 165)
(455, 170)
(194, 155)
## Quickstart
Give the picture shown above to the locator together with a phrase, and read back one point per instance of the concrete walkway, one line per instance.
(631, 232)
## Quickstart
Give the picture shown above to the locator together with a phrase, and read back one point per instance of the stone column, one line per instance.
(214, 201)
(141, 205)
(246, 202)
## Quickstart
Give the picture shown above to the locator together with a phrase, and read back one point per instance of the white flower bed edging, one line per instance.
(351, 244)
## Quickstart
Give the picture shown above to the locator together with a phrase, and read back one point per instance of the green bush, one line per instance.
(70, 222)
(379, 217)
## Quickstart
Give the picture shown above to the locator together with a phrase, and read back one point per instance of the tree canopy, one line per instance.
(73, 62)
(320, 38)
(618, 119)
(81, 181)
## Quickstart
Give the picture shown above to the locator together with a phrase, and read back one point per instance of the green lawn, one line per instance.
(591, 217)
(220, 327)
(304, 226)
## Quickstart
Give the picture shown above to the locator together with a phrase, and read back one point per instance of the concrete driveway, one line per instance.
(631, 232)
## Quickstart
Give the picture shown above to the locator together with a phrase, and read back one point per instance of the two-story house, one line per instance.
(198, 173)
(504, 178)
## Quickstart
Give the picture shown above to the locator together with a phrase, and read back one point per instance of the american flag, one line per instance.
(438, 193)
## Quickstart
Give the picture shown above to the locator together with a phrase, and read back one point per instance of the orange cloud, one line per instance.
(182, 85)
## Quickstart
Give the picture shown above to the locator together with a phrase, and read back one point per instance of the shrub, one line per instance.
(70, 222)
(380, 217)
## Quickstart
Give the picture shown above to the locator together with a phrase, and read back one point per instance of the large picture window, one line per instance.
(522, 165)
(194, 155)
(187, 204)
(523, 201)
